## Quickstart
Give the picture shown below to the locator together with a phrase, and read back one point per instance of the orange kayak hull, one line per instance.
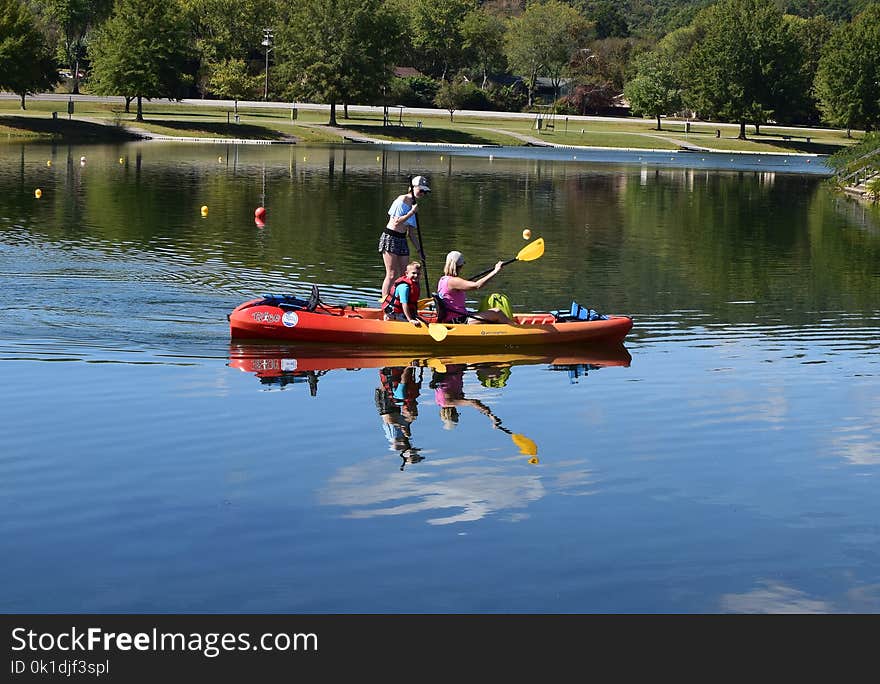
(261, 319)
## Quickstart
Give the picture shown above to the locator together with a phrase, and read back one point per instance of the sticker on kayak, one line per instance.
(290, 319)
(288, 365)
(263, 317)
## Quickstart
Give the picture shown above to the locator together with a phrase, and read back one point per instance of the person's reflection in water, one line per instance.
(448, 389)
(397, 403)
(449, 394)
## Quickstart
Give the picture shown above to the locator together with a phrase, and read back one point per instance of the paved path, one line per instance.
(377, 111)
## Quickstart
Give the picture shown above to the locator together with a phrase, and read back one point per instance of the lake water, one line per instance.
(725, 460)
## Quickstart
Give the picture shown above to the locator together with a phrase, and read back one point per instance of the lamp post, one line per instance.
(267, 43)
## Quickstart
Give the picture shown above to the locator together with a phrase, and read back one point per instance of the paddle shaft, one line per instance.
(412, 191)
(489, 270)
(528, 253)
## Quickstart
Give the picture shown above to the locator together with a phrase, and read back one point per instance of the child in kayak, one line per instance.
(402, 302)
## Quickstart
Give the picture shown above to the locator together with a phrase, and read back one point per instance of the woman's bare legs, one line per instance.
(395, 265)
(490, 316)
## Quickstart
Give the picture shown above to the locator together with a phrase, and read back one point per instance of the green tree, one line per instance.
(437, 38)
(810, 36)
(848, 78)
(26, 64)
(607, 61)
(141, 51)
(483, 42)
(656, 89)
(228, 30)
(452, 95)
(330, 50)
(741, 69)
(75, 18)
(542, 40)
(230, 79)
(609, 18)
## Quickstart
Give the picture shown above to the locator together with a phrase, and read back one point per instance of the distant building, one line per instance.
(545, 92)
(406, 72)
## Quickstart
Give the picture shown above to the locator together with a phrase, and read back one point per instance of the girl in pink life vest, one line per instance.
(452, 288)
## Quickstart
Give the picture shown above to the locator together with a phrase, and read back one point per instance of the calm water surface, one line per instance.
(725, 460)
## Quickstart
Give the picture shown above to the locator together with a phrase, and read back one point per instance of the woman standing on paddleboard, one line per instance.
(401, 223)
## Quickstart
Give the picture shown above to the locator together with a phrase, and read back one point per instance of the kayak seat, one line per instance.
(314, 299)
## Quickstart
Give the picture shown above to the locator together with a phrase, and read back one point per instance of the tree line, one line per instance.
(745, 61)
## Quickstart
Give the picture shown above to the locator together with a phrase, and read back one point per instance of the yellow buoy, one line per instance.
(38, 193)
(121, 160)
(204, 210)
(48, 162)
(527, 234)
(220, 159)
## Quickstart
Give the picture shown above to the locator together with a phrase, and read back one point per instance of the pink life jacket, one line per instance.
(453, 299)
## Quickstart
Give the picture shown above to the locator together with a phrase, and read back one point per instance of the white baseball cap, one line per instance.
(420, 182)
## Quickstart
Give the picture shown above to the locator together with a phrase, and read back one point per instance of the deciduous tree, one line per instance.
(656, 89)
(483, 42)
(230, 79)
(75, 18)
(452, 95)
(741, 69)
(329, 49)
(848, 78)
(542, 40)
(228, 30)
(142, 50)
(26, 64)
(436, 27)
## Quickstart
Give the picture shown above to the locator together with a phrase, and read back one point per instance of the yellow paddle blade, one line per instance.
(436, 364)
(526, 446)
(533, 250)
(534, 460)
(437, 331)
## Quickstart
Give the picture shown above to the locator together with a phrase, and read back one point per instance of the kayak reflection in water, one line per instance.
(448, 389)
(397, 403)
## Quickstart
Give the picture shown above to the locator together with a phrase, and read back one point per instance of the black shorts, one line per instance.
(393, 244)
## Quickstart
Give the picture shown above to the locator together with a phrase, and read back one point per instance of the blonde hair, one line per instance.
(453, 260)
(412, 263)
(449, 416)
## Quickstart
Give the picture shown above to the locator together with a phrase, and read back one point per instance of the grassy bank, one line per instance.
(98, 122)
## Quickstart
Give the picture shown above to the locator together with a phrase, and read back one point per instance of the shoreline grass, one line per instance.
(108, 122)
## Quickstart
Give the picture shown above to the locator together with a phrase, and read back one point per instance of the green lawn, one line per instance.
(168, 118)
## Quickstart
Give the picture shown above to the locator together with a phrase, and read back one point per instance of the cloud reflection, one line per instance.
(469, 489)
(774, 598)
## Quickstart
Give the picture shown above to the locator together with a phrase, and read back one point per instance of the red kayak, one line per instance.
(287, 318)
